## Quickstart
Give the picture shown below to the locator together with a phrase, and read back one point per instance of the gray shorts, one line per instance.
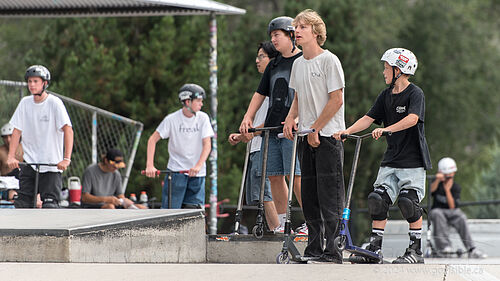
(396, 179)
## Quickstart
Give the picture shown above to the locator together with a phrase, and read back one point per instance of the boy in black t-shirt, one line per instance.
(274, 84)
(445, 212)
(401, 176)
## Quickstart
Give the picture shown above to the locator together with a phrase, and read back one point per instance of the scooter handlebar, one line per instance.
(158, 172)
(346, 136)
(302, 132)
(38, 164)
(276, 128)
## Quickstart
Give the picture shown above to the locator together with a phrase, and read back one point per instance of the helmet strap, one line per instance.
(292, 37)
(184, 103)
(394, 77)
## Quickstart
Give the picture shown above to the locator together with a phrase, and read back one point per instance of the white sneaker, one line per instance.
(302, 230)
(281, 230)
(477, 254)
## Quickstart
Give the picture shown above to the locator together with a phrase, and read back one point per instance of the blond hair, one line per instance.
(311, 17)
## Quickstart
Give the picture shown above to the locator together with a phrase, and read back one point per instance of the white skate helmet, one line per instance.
(447, 165)
(7, 130)
(401, 58)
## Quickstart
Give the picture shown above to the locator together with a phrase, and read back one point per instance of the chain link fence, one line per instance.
(95, 130)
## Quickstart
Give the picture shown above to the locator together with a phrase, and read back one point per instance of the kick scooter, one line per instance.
(239, 210)
(288, 247)
(169, 178)
(258, 229)
(344, 241)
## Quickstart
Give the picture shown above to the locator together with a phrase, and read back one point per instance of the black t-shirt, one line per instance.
(439, 196)
(406, 148)
(274, 84)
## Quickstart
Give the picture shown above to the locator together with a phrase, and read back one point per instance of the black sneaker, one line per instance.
(306, 259)
(410, 256)
(325, 259)
(364, 259)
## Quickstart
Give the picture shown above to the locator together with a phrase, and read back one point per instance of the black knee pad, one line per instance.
(49, 203)
(378, 204)
(409, 205)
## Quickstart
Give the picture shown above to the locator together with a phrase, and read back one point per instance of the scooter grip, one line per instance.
(143, 172)
(343, 136)
(387, 133)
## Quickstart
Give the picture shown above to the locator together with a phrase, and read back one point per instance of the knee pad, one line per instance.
(378, 204)
(409, 205)
(49, 203)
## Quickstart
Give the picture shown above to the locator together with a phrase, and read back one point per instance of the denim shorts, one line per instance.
(279, 157)
(396, 179)
(253, 181)
(185, 190)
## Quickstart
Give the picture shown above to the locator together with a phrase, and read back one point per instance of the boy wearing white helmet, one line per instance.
(7, 130)
(445, 212)
(47, 137)
(189, 132)
(401, 176)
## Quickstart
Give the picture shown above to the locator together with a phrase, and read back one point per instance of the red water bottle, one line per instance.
(75, 190)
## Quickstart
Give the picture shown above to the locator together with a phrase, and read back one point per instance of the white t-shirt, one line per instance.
(259, 119)
(312, 80)
(41, 126)
(185, 139)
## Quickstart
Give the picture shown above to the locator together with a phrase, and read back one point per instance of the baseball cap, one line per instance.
(115, 157)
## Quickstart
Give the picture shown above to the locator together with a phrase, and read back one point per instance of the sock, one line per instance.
(282, 218)
(415, 239)
(376, 237)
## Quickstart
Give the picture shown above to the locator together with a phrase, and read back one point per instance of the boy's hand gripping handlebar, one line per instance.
(302, 132)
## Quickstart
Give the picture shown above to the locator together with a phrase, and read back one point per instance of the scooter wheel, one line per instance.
(283, 258)
(339, 243)
(258, 232)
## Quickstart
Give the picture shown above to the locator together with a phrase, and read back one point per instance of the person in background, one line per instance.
(42, 125)
(445, 211)
(102, 184)
(7, 130)
(189, 132)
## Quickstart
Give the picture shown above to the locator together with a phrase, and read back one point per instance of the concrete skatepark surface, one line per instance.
(472, 270)
(172, 245)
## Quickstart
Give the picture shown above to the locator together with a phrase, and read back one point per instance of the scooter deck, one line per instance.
(365, 253)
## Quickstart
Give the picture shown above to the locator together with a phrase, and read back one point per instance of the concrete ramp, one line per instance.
(102, 236)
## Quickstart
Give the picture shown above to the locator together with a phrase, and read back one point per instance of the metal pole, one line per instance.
(132, 155)
(213, 101)
(94, 137)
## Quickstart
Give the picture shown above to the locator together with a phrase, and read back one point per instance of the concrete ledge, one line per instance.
(247, 249)
(103, 236)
